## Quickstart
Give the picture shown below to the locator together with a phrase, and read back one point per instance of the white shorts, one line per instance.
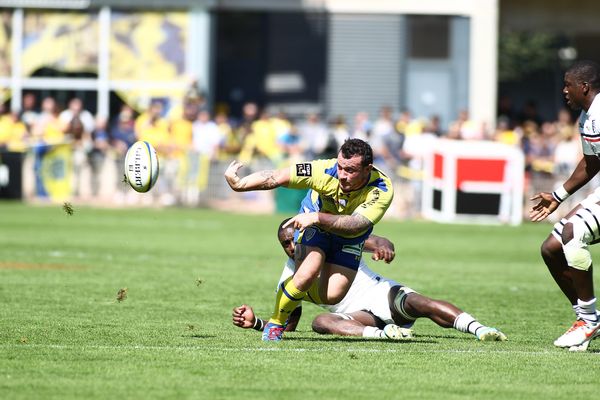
(369, 296)
(590, 200)
(368, 292)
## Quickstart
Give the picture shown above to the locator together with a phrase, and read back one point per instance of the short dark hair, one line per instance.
(280, 228)
(357, 147)
(586, 71)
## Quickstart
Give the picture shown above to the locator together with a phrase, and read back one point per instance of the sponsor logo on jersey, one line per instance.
(374, 200)
(354, 249)
(309, 233)
(303, 169)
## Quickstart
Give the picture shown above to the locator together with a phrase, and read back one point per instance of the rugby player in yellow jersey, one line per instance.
(352, 195)
(374, 306)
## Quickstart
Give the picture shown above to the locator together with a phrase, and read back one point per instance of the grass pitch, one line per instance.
(136, 304)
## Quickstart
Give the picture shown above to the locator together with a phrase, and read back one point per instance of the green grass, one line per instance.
(63, 334)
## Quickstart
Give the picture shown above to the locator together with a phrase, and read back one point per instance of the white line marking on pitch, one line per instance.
(275, 349)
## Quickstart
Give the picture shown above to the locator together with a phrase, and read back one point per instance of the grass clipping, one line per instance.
(68, 208)
(121, 295)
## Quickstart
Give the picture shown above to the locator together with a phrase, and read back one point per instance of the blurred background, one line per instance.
(461, 100)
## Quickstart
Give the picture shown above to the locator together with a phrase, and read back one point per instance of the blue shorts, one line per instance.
(338, 250)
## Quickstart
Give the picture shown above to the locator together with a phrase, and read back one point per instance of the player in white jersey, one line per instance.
(565, 251)
(374, 306)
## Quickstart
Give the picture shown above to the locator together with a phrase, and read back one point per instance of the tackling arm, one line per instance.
(244, 317)
(382, 248)
(263, 180)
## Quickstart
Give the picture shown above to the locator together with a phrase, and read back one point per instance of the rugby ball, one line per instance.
(141, 166)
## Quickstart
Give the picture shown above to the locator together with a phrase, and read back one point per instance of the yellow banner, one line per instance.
(5, 43)
(148, 46)
(56, 172)
(64, 41)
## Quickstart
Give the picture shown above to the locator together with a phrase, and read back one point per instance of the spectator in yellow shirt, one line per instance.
(48, 128)
(262, 141)
(13, 133)
(153, 128)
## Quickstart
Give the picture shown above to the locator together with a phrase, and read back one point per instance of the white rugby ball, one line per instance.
(141, 166)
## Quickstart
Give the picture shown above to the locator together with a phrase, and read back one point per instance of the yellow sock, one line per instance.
(313, 294)
(288, 297)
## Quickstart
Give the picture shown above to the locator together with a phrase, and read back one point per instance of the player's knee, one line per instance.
(550, 248)
(322, 323)
(577, 256)
(575, 246)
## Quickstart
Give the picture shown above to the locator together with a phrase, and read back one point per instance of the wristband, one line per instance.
(258, 325)
(560, 194)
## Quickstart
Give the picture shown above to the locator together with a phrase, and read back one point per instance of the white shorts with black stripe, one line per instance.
(588, 214)
(558, 228)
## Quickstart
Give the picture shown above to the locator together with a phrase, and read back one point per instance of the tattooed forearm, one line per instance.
(263, 180)
(269, 181)
(347, 224)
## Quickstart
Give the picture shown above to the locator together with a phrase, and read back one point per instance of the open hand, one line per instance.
(546, 206)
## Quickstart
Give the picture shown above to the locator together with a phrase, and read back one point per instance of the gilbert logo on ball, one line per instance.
(141, 166)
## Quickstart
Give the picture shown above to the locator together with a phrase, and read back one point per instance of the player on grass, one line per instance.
(353, 196)
(374, 305)
(565, 251)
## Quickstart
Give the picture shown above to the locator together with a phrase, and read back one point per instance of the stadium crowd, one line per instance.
(191, 140)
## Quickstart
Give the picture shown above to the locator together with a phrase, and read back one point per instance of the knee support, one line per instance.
(577, 256)
(586, 227)
(399, 301)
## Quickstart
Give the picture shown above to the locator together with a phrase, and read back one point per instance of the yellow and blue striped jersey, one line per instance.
(371, 201)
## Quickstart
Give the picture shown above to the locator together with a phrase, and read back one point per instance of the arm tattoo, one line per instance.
(262, 180)
(269, 181)
(352, 224)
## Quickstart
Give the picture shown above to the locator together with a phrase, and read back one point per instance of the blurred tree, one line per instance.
(523, 53)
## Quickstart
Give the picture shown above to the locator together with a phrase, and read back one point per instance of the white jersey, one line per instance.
(589, 128)
(368, 292)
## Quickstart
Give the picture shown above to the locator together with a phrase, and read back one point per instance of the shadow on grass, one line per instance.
(356, 340)
(445, 337)
(595, 351)
(199, 336)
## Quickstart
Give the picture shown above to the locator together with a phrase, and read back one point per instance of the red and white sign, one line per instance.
(473, 181)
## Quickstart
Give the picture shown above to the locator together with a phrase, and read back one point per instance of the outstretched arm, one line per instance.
(587, 168)
(263, 180)
(244, 317)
